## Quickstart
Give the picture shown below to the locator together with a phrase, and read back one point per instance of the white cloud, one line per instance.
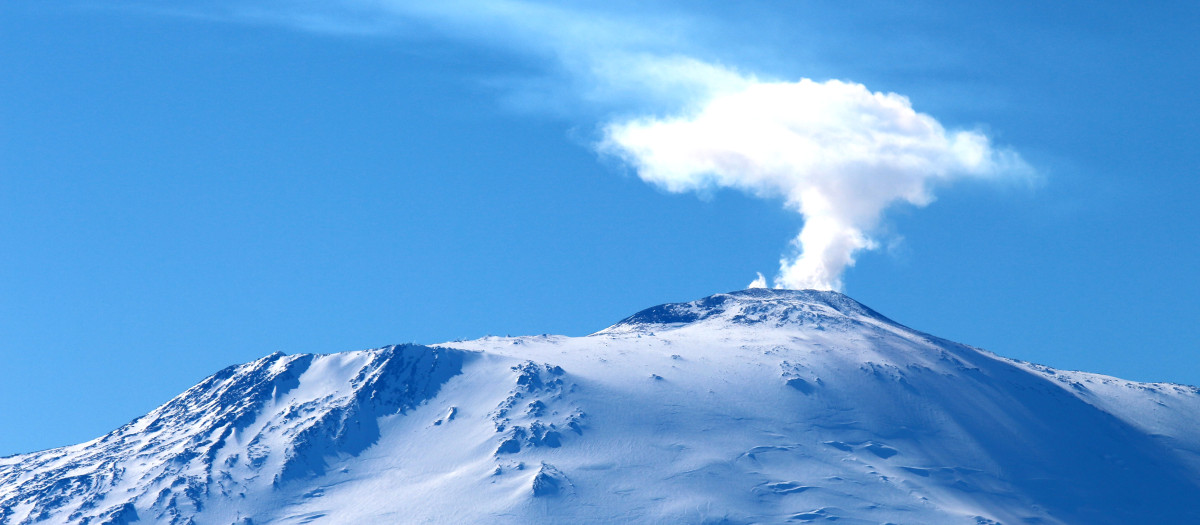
(838, 153)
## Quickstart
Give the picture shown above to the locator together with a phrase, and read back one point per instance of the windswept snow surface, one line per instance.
(758, 406)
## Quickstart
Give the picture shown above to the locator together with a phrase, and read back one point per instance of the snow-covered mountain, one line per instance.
(758, 406)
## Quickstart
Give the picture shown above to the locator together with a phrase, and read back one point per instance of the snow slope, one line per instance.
(758, 406)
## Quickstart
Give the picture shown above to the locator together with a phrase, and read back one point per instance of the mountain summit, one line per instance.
(755, 306)
(756, 406)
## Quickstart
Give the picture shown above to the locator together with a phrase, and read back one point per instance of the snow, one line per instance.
(759, 406)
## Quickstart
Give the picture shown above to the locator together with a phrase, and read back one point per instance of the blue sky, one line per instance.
(181, 190)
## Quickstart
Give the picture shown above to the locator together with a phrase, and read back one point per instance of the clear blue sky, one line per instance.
(185, 190)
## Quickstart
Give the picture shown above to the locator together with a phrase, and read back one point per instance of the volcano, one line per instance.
(755, 406)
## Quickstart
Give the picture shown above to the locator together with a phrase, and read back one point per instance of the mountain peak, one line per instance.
(753, 306)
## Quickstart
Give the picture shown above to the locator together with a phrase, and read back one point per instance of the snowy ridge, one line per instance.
(244, 428)
(757, 406)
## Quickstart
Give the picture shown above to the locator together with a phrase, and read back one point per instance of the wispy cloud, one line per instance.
(838, 153)
(615, 56)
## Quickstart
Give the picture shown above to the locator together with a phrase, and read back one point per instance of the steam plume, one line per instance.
(836, 152)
